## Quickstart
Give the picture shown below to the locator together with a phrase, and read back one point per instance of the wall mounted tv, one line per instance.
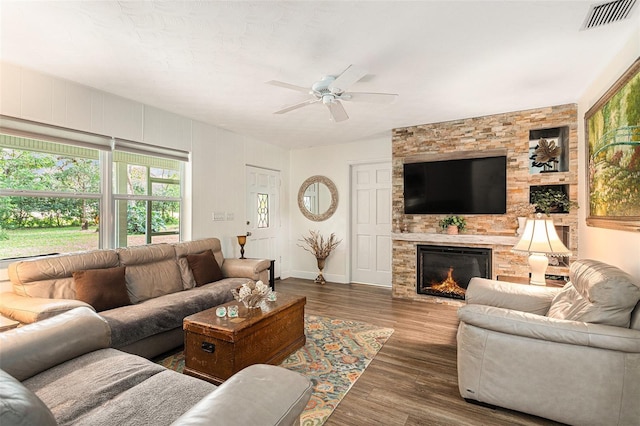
(456, 186)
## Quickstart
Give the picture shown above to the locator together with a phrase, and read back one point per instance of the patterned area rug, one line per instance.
(334, 357)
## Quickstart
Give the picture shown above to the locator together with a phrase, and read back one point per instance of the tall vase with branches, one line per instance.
(321, 248)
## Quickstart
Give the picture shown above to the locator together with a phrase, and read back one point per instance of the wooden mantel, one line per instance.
(459, 239)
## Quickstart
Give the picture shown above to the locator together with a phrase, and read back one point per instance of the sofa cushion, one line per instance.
(29, 350)
(151, 271)
(51, 276)
(597, 293)
(204, 267)
(19, 406)
(130, 324)
(102, 288)
(116, 388)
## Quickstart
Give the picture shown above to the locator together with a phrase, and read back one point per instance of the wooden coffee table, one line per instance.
(216, 348)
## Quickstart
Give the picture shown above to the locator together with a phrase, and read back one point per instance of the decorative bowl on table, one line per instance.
(251, 293)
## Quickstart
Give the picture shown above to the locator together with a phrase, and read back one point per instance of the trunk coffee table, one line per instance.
(216, 348)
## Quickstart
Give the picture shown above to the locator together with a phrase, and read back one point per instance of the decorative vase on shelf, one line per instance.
(452, 229)
(320, 278)
(521, 222)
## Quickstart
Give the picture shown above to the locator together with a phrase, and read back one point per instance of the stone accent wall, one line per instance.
(507, 132)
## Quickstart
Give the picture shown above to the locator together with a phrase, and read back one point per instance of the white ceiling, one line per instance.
(209, 60)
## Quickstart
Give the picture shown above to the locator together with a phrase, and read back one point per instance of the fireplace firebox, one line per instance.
(446, 271)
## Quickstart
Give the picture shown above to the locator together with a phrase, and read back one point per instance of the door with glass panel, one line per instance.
(263, 214)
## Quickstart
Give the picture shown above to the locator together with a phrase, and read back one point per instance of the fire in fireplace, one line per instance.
(446, 271)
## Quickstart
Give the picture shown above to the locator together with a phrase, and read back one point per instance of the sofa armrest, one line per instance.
(245, 268)
(539, 327)
(501, 294)
(29, 350)
(257, 395)
(31, 309)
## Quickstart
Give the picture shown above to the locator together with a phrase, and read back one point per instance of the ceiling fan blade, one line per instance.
(379, 98)
(346, 79)
(337, 111)
(296, 106)
(288, 86)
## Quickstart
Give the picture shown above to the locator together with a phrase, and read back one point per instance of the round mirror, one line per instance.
(318, 198)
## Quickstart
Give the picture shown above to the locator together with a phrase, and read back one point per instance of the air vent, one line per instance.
(606, 13)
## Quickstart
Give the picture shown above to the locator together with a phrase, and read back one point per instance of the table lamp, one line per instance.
(540, 240)
(242, 240)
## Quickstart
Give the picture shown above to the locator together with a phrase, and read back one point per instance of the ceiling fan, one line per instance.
(331, 90)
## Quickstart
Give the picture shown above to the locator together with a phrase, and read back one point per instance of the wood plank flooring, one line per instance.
(413, 379)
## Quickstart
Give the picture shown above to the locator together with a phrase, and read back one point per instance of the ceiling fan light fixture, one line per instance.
(331, 90)
(328, 99)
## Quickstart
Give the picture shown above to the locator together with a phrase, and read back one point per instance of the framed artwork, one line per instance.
(612, 133)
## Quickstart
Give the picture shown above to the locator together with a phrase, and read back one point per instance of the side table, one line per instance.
(272, 273)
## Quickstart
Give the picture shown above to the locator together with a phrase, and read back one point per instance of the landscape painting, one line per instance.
(613, 147)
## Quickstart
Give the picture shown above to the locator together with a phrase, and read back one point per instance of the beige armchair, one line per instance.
(570, 355)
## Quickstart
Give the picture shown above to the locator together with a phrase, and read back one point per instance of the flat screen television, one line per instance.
(460, 186)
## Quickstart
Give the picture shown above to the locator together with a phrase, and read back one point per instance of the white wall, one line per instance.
(334, 162)
(619, 248)
(218, 161)
(216, 175)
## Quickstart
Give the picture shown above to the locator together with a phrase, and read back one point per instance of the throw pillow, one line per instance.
(598, 293)
(204, 267)
(102, 288)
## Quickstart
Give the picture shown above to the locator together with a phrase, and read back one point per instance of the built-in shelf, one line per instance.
(557, 141)
(499, 240)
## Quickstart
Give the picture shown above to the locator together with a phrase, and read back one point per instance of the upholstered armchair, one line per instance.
(568, 354)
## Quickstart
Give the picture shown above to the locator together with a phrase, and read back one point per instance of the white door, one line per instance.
(371, 223)
(263, 214)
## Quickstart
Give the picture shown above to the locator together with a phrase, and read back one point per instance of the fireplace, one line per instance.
(446, 271)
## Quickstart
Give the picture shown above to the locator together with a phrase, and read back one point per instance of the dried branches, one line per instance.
(318, 246)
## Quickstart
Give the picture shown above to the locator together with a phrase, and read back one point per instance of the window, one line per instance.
(263, 210)
(53, 196)
(147, 194)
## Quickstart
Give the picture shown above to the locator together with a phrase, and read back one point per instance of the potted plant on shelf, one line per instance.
(550, 200)
(453, 224)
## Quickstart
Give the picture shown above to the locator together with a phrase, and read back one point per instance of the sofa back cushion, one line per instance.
(51, 276)
(151, 271)
(195, 247)
(597, 293)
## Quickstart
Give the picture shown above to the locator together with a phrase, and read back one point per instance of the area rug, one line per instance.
(334, 357)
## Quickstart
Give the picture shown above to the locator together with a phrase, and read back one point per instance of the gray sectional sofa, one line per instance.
(160, 285)
(62, 371)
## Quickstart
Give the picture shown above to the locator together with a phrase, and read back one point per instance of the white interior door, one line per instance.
(263, 214)
(371, 223)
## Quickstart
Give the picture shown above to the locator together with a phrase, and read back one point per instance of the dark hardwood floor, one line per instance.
(413, 379)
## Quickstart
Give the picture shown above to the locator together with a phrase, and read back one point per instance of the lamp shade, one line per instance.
(540, 237)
